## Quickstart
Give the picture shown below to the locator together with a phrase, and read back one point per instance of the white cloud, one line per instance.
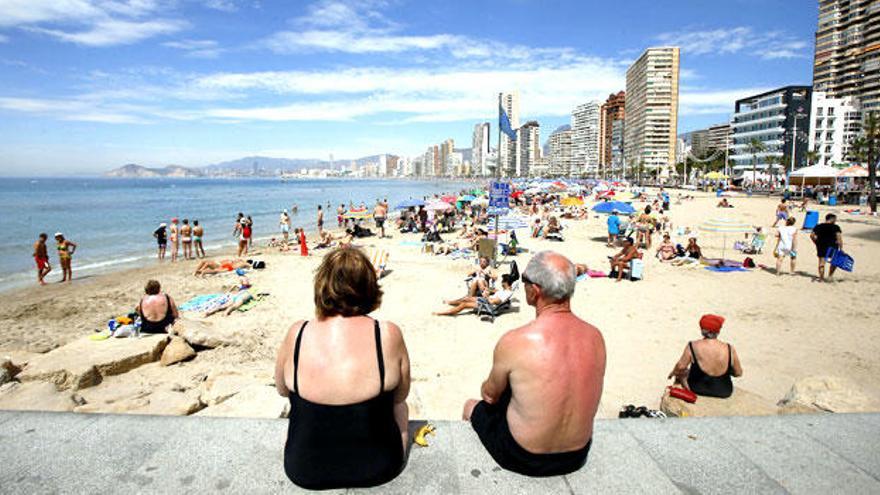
(713, 102)
(73, 110)
(196, 48)
(724, 41)
(221, 5)
(91, 22)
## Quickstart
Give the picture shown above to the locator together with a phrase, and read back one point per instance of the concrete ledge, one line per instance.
(46, 452)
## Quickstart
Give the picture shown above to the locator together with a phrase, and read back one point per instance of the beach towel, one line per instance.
(725, 269)
(410, 243)
(203, 303)
(253, 302)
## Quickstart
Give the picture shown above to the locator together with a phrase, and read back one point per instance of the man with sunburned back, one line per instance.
(539, 401)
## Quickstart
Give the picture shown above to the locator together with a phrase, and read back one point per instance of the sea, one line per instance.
(112, 219)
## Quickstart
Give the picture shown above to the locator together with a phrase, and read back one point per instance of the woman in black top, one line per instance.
(706, 366)
(347, 379)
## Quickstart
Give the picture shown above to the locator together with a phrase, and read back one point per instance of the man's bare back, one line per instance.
(556, 371)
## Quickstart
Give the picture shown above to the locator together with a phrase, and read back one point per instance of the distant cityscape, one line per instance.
(635, 131)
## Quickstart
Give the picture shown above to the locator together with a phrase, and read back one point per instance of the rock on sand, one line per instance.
(176, 351)
(741, 403)
(826, 394)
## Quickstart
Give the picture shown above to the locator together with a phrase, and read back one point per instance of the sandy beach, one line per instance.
(784, 328)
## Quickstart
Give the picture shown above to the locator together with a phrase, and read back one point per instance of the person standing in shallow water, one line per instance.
(174, 235)
(65, 250)
(161, 235)
(198, 233)
(186, 239)
(320, 220)
(41, 258)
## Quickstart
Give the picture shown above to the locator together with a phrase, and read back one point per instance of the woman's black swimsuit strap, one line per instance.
(711, 386)
(296, 357)
(379, 356)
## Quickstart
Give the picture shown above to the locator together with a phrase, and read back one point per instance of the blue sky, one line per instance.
(87, 85)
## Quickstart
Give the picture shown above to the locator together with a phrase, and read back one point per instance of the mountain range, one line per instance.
(247, 166)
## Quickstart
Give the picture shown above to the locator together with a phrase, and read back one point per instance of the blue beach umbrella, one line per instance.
(409, 203)
(610, 206)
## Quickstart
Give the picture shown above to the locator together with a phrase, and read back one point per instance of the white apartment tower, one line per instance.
(834, 123)
(480, 149)
(559, 161)
(507, 155)
(585, 138)
(652, 110)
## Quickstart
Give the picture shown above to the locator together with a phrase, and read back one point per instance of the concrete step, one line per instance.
(45, 452)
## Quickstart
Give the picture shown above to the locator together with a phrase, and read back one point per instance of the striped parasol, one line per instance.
(357, 214)
(725, 226)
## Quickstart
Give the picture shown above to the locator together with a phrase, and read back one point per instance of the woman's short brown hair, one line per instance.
(152, 288)
(346, 284)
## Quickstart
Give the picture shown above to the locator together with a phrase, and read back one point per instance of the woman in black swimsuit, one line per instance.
(153, 290)
(347, 378)
(707, 365)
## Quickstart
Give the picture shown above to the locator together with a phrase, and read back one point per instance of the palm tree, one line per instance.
(869, 144)
(812, 156)
(755, 147)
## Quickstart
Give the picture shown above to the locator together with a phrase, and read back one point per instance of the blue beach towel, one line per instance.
(724, 269)
(203, 302)
(410, 243)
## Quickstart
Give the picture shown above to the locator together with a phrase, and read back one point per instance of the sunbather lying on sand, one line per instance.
(237, 300)
(210, 267)
(471, 302)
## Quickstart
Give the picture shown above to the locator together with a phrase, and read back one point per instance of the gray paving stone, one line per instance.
(852, 438)
(697, 458)
(797, 462)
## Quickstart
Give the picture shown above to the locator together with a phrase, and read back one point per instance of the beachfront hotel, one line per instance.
(847, 57)
(559, 159)
(611, 114)
(585, 138)
(834, 124)
(480, 149)
(651, 110)
(528, 147)
(772, 118)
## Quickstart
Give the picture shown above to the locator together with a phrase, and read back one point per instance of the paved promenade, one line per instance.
(81, 453)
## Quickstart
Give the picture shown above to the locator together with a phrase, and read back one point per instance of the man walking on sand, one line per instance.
(41, 257)
(380, 212)
(539, 401)
(320, 221)
(825, 236)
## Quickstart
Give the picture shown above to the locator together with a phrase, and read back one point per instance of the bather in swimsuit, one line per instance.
(63, 252)
(711, 386)
(490, 423)
(336, 446)
(160, 326)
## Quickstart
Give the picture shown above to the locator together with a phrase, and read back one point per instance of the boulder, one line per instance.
(741, 403)
(8, 370)
(204, 334)
(254, 401)
(220, 387)
(176, 351)
(826, 394)
(84, 362)
(38, 396)
(161, 402)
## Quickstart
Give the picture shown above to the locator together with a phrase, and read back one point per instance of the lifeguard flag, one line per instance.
(504, 123)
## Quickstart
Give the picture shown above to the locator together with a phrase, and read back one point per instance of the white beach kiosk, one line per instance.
(816, 175)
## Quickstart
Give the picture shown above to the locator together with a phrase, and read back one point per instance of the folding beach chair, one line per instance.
(484, 307)
(379, 260)
(486, 248)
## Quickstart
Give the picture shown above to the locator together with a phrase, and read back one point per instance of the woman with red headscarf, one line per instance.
(706, 365)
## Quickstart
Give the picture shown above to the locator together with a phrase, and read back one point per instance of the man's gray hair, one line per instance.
(557, 282)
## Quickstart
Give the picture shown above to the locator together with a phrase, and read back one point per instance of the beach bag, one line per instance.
(748, 263)
(683, 394)
(840, 259)
(259, 265)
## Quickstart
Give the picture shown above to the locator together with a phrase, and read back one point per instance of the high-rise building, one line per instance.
(652, 110)
(699, 141)
(771, 118)
(507, 155)
(391, 166)
(834, 123)
(480, 149)
(438, 163)
(428, 167)
(847, 57)
(446, 149)
(585, 138)
(613, 110)
(718, 138)
(528, 147)
(559, 159)
(618, 128)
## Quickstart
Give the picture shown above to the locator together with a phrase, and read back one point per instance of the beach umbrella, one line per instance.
(480, 202)
(853, 171)
(715, 176)
(725, 226)
(357, 214)
(448, 199)
(439, 206)
(572, 201)
(467, 198)
(409, 203)
(610, 206)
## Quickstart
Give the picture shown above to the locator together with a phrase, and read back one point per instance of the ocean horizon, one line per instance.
(112, 219)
